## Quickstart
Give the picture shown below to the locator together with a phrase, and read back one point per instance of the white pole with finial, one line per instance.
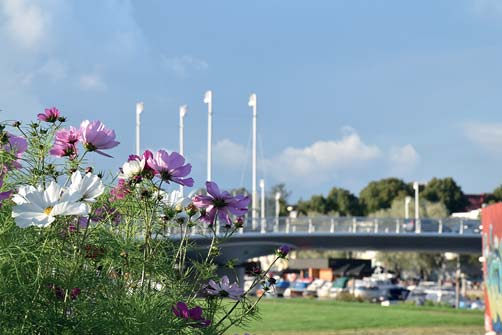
(254, 205)
(208, 99)
(139, 109)
(183, 111)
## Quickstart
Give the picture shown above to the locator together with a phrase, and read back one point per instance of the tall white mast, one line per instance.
(139, 109)
(183, 111)
(254, 205)
(208, 99)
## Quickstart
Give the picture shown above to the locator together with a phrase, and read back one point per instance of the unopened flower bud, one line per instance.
(283, 251)
(239, 222)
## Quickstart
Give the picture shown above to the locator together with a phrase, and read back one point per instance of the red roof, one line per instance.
(475, 201)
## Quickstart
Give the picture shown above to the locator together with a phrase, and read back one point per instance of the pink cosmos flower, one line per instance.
(106, 213)
(120, 191)
(16, 146)
(61, 149)
(194, 315)
(3, 195)
(50, 115)
(69, 135)
(224, 289)
(95, 137)
(171, 167)
(65, 143)
(220, 203)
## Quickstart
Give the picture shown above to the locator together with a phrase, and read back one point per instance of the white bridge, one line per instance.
(264, 236)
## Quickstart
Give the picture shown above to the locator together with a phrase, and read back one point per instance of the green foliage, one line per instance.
(343, 202)
(424, 263)
(380, 194)
(339, 202)
(447, 191)
(397, 209)
(495, 196)
(314, 317)
(114, 268)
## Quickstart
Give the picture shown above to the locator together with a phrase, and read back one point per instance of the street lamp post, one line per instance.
(208, 99)
(262, 206)
(407, 201)
(183, 111)
(277, 209)
(417, 213)
(139, 109)
(254, 204)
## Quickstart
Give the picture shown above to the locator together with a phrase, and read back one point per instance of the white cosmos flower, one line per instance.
(86, 188)
(132, 168)
(19, 197)
(39, 207)
(175, 199)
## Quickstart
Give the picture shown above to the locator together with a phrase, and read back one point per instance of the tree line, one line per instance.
(381, 198)
(385, 197)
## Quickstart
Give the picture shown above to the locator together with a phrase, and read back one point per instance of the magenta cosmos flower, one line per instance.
(3, 195)
(64, 150)
(16, 146)
(224, 289)
(171, 167)
(194, 315)
(69, 135)
(50, 115)
(221, 203)
(65, 143)
(96, 137)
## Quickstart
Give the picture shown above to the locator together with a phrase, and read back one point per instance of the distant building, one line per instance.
(475, 201)
(327, 269)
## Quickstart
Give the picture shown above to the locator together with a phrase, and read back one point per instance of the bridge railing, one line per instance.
(326, 224)
(356, 225)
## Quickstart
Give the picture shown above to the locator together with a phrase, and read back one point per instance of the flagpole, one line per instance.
(254, 204)
(183, 111)
(208, 99)
(139, 109)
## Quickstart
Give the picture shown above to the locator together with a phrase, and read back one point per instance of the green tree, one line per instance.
(422, 263)
(283, 201)
(427, 209)
(380, 194)
(447, 191)
(342, 202)
(495, 196)
(317, 205)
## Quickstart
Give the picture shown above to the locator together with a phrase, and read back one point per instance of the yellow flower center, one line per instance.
(48, 211)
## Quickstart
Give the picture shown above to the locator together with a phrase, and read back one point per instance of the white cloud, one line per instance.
(489, 7)
(229, 154)
(54, 70)
(323, 159)
(92, 82)
(182, 65)
(486, 135)
(25, 22)
(403, 160)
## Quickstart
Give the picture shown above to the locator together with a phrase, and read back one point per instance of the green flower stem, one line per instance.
(255, 281)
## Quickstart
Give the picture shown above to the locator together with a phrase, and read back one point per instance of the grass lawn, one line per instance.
(314, 317)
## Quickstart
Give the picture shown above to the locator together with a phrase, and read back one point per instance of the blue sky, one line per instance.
(348, 91)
